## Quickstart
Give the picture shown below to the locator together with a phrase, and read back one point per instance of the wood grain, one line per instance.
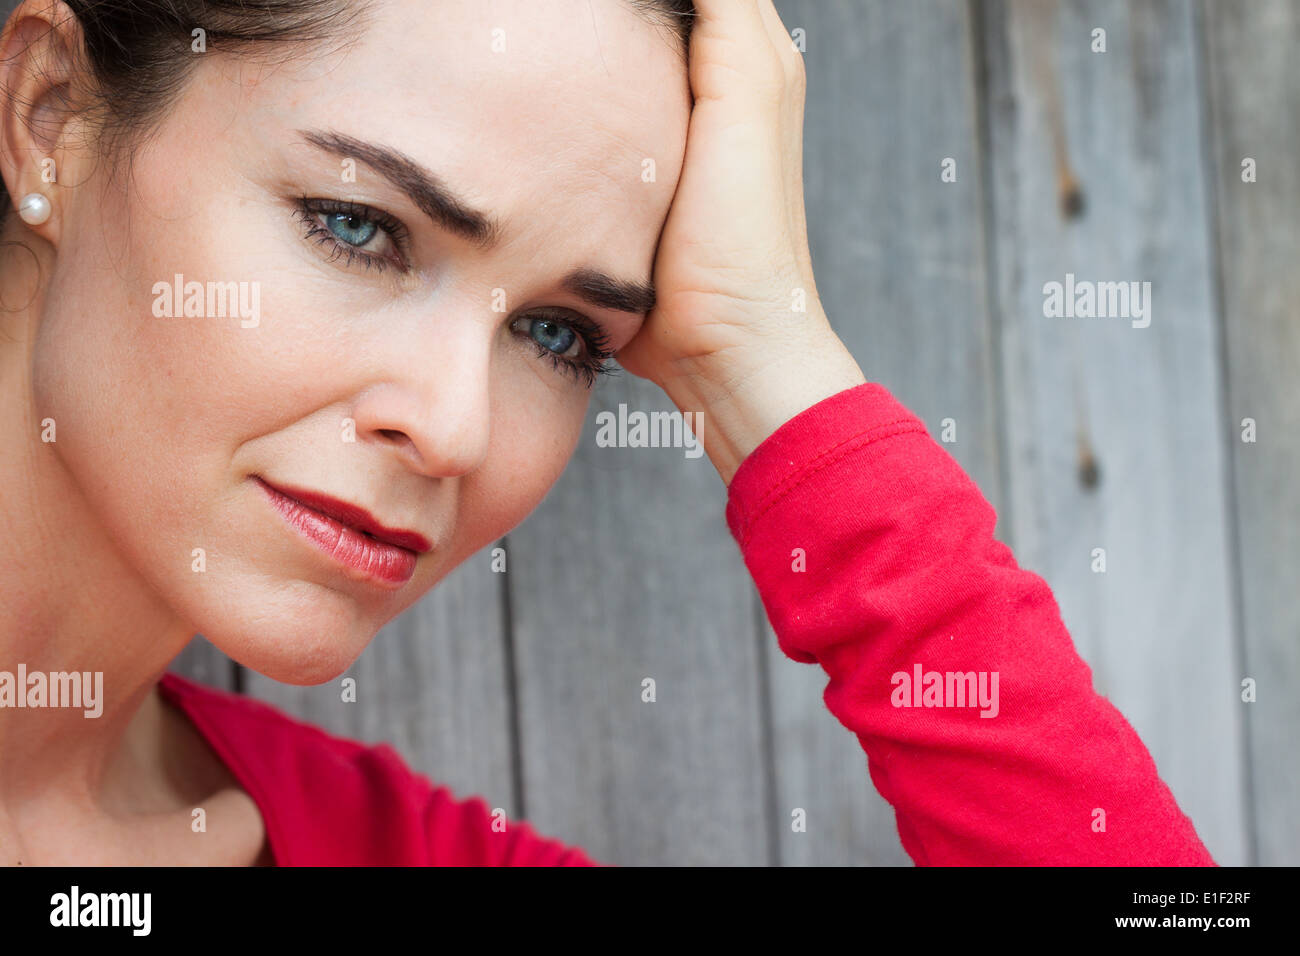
(1254, 95)
(1115, 433)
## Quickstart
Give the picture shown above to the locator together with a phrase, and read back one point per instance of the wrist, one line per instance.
(746, 394)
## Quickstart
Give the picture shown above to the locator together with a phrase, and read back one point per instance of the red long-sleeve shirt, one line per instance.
(874, 555)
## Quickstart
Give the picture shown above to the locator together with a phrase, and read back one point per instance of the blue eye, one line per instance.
(552, 335)
(351, 228)
(351, 231)
(571, 342)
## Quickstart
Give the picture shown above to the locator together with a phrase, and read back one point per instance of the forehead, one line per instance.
(542, 114)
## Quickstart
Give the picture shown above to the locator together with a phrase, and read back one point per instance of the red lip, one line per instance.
(353, 517)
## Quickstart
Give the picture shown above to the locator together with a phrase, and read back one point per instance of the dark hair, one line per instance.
(139, 56)
(676, 15)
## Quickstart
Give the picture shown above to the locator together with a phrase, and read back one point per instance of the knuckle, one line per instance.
(774, 68)
(769, 81)
(793, 73)
(796, 60)
(772, 92)
(798, 73)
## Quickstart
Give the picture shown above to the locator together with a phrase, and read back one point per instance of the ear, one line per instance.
(42, 75)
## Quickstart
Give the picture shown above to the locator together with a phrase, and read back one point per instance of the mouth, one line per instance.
(349, 534)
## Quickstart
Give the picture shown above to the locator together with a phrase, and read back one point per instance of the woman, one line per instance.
(303, 309)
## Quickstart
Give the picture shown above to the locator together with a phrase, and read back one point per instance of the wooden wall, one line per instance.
(525, 687)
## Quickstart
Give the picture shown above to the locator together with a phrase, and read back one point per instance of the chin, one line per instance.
(289, 639)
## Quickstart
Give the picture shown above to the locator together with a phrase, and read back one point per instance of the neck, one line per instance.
(70, 601)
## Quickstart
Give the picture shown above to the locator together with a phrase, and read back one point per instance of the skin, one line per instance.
(461, 427)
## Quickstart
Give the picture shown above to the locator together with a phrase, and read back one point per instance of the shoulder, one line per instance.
(325, 799)
(330, 800)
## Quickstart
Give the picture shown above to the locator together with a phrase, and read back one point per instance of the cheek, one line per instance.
(130, 393)
(535, 430)
(151, 413)
(157, 404)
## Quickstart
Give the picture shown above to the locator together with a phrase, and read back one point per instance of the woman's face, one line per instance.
(402, 333)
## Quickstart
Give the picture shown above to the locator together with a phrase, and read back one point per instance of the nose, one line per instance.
(432, 408)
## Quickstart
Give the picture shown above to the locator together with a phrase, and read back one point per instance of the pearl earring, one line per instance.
(34, 209)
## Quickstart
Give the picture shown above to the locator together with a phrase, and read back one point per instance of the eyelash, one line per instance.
(309, 208)
(586, 368)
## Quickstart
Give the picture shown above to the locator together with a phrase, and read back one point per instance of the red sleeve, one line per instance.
(901, 576)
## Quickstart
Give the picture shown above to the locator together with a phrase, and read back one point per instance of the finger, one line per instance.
(792, 122)
(748, 36)
(782, 42)
(738, 14)
(736, 34)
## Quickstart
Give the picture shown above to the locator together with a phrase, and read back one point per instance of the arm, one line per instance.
(901, 571)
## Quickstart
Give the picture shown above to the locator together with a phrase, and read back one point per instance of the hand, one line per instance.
(725, 337)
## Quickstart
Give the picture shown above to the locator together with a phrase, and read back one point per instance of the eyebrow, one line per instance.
(447, 210)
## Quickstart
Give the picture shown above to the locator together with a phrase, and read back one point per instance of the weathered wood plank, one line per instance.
(900, 266)
(1254, 86)
(1144, 403)
(433, 683)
